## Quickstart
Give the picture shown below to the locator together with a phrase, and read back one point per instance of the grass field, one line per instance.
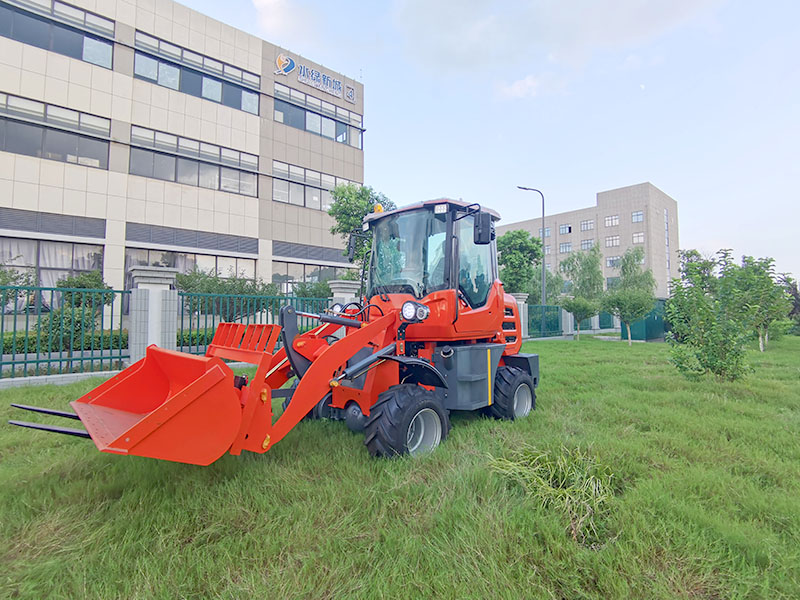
(705, 503)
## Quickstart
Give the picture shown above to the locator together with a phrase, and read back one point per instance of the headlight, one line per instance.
(336, 308)
(409, 311)
(414, 311)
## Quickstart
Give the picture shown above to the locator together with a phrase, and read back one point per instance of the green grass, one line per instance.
(704, 499)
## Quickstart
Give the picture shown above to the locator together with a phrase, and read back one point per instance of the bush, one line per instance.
(100, 340)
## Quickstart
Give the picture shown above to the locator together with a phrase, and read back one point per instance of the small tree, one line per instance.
(553, 286)
(791, 289)
(633, 295)
(763, 300)
(708, 334)
(351, 203)
(518, 252)
(583, 270)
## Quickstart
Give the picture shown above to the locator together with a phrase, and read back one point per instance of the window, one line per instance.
(612, 261)
(587, 225)
(546, 232)
(637, 216)
(612, 220)
(241, 178)
(474, 263)
(186, 262)
(42, 32)
(193, 82)
(587, 244)
(52, 144)
(303, 187)
(611, 282)
(547, 249)
(564, 229)
(565, 247)
(638, 238)
(48, 262)
(302, 111)
(612, 241)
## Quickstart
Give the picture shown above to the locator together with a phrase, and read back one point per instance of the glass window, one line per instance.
(164, 167)
(637, 216)
(31, 30)
(564, 229)
(212, 89)
(246, 267)
(188, 147)
(2, 134)
(587, 225)
(327, 199)
(638, 238)
(169, 75)
(290, 115)
(328, 182)
(587, 244)
(250, 102)
(60, 145)
(313, 122)
(230, 157)
(141, 162)
(206, 263)
(55, 255)
(209, 152)
(226, 266)
(92, 153)
(312, 177)
(297, 173)
(612, 221)
(612, 241)
(191, 82)
(146, 67)
(328, 128)
(248, 184)
(231, 95)
(187, 171)
(280, 190)
(474, 264)
(97, 52)
(565, 247)
(296, 194)
(87, 257)
(209, 176)
(355, 137)
(94, 124)
(546, 232)
(341, 132)
(313, 199)
(67, 41)
(6, 18)
(63, 117)
(280, 169)
(248, 161)
(22, 138)
(166, 141)
(229, 180)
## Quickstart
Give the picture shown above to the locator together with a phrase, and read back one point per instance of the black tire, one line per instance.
(388, 430)
(508, 383)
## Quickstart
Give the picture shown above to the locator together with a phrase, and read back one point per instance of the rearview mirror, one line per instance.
(483, 232)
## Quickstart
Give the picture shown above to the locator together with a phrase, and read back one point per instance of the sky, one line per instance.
(471, 98)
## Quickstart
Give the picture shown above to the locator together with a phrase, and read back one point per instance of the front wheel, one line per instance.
(407, 419)
(514, 395)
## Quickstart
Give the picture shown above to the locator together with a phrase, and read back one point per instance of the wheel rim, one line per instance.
(522, 401)
(424, 432)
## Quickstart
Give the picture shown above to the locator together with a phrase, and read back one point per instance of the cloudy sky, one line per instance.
(471, 98)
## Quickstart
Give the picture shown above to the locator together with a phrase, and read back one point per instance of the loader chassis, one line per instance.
(434, 333)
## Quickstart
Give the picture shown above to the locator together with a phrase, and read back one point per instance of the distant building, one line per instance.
(135, 132)
(634, 216)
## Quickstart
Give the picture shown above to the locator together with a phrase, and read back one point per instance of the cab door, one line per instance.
(480, 303)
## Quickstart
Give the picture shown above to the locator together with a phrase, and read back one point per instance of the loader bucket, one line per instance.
(169, 405)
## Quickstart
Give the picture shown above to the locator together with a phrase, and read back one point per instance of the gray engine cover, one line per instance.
(469, 374)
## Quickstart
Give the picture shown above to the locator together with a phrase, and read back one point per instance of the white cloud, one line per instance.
(289, 24)
(527, 87)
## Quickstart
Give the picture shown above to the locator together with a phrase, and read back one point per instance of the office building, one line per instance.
(628, 217)
(142, 132)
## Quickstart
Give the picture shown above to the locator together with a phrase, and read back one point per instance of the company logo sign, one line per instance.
(350, 94)
(321, 81)
(284, 64)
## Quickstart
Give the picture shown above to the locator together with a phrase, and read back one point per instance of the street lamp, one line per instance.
(544, 294)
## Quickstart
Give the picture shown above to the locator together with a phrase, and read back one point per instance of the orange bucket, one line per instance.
(169, 405)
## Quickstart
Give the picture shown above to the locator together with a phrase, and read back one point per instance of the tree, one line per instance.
(584, 272)
(229, 297)
(704, 310)
(553, 286)
(632, 297)
(790, 286)
(763, 299)
(351, 203)
(518, 252)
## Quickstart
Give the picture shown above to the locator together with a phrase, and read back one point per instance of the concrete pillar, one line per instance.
(522, 308)
(567, 323)
(344, 290)
(153, 310)
(596, 323)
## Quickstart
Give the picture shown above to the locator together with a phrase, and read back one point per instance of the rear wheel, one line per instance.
(514, 395)
(407, 419)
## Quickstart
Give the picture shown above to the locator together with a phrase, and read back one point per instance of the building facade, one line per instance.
(628, 217)
(141, 132)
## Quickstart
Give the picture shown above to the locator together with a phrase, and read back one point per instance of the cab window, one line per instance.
(474, 264)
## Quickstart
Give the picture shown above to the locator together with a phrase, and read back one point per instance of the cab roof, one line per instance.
(426, 203)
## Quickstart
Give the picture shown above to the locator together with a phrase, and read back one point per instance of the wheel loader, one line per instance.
(433, 333)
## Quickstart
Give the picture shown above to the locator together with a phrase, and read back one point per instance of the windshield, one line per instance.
(408, 254)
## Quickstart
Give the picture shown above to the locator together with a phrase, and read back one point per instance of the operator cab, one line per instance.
(431, 246)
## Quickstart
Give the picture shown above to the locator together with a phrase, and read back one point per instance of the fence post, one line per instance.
(344, 290)
(522, 309)
(567, 322)
(154, 309)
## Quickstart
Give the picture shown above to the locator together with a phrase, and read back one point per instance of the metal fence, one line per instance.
(45, 330)
(199, 314)
(553, 325)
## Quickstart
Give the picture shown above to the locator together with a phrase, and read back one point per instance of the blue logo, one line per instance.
(284, 64)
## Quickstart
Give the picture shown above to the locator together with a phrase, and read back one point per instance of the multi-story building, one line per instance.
(140, 132)
(633, 216)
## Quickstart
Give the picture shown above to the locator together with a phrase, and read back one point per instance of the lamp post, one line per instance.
(544, 293)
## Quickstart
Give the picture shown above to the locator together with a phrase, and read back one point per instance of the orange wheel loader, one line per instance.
(434, 332)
